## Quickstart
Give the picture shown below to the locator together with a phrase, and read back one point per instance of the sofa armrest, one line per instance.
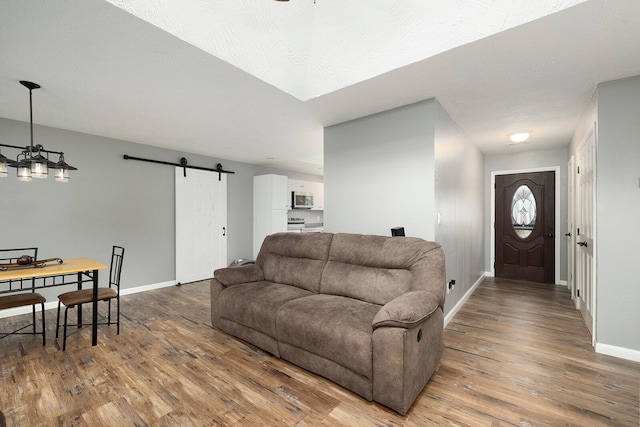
(407, 310)
(235, 275)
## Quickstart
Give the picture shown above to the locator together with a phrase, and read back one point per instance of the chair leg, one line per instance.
(64, 339)
(44, 328)
(118, 312)
(33, 318)
(108, 312)
(79, 306)
(58, 320)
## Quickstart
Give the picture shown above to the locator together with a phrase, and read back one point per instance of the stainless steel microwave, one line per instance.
(301, 200)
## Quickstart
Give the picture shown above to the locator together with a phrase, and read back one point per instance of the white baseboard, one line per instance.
(25, 310)
(54, 304)
(464, 299)
(129, 291)
(615, 351)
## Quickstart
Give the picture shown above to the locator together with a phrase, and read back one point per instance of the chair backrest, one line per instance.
(10, 256)
(117, 255)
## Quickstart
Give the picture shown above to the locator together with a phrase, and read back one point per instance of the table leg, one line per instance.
(94, 325)
(80, 306)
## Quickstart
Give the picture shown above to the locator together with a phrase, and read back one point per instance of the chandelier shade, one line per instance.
(61, 170)
(5, 163)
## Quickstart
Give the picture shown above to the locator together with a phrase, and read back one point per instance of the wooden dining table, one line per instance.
(71, 271)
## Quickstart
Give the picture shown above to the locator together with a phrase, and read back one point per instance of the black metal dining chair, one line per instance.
(84, 296)
(21, 292)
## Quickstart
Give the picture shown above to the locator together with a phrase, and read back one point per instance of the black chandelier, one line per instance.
(31, 163)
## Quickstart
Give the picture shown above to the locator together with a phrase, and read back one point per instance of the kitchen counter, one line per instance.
(313, 230)
(311, 227)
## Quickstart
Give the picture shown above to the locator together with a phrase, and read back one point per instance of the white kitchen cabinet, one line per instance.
(270, 205)
(318, 196)
(315, 188)
(299, 185)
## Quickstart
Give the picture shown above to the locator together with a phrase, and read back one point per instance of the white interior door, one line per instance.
(585, 219)
(201, 218)
(571, 233)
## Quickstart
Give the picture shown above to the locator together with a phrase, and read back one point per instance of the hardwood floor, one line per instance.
(516, 354)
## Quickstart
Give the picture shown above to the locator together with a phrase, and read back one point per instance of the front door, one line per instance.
(525, 226)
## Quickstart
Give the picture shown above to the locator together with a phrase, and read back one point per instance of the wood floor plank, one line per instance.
(517, 353)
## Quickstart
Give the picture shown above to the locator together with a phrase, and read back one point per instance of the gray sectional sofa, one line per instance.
(363, 311)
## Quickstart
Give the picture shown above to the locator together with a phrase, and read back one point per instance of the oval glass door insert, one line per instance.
(523, 211)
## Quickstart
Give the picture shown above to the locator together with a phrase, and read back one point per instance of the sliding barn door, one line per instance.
(201, 220)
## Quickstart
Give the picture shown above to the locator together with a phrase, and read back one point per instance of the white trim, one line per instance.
(492, 248)
(129, 291)
(563, 283)
(54, 304)
(594, 284)
(462, 300)
(621, 352)
(25, 310)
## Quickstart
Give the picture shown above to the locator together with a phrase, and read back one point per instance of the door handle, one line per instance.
(568, 235)
(224, 231)
(550, 236)
(585, 244)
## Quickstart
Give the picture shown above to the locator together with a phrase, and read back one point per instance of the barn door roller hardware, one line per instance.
(183, 164)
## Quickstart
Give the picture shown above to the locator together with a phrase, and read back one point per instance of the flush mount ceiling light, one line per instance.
(520, 136)
(31, 163)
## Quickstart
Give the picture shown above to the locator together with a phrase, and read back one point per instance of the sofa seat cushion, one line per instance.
(255, 304)
(330, 326)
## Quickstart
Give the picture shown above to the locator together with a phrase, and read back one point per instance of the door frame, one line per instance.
(492, 222)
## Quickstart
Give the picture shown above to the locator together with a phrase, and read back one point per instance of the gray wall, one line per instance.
(528, 160)
(400, 168)
(617, 208)
(378, 173)
(459, 166)
(110, 201)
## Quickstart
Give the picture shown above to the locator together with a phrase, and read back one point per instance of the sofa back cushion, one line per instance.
(378, 269)
(295, 259)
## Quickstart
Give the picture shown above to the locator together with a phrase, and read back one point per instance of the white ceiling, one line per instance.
(257, 80)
